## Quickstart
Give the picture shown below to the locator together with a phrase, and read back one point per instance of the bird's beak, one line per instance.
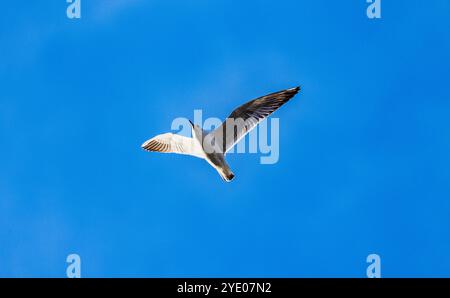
(192, 124)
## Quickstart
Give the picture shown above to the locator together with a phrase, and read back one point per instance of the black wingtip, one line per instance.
(296, 89)
(292, 91)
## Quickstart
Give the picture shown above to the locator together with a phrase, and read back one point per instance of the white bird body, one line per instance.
(213, 146)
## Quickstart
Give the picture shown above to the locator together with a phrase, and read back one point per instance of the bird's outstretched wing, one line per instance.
(172, 143)
(243, 119)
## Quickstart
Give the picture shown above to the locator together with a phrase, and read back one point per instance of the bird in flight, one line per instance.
(213, 146)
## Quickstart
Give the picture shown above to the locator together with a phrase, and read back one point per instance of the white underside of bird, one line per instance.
(213, 146)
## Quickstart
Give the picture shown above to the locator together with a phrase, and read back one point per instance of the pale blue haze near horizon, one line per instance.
(364, 149)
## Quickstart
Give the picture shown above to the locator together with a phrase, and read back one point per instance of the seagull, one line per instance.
(213, 146)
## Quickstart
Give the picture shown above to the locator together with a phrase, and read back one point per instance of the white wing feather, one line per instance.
(172, 143)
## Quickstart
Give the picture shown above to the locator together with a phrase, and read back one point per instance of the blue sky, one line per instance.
(364, 149)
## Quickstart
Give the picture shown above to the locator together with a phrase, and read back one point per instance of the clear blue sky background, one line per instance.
(364, 164)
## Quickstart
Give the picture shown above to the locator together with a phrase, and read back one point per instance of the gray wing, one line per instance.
(243, 119)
